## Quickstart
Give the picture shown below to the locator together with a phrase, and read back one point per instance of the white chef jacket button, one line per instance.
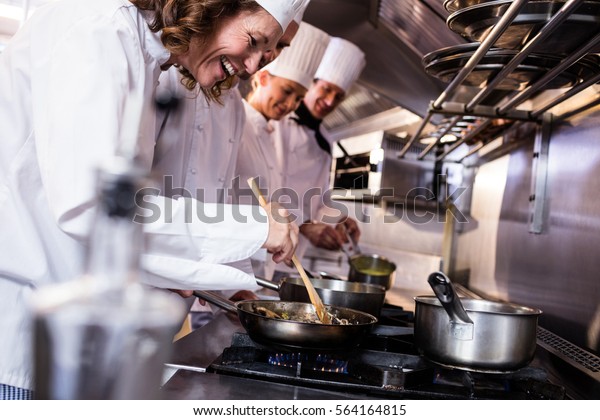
(193, 171)
(231, 141)
(199, 127)
(222, 179)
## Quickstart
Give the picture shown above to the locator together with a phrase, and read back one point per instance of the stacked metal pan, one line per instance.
(474, 19)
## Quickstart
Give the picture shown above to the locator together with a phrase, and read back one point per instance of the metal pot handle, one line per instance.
(216, 299)
(462, 325)
(269, 284)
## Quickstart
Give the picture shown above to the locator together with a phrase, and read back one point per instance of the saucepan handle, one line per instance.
(269, 284)
(445, 292)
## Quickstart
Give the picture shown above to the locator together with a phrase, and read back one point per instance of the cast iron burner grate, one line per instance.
(375, 370)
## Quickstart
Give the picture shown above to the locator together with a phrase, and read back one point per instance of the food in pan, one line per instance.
(310, 318)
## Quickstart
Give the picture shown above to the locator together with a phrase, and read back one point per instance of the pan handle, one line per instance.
(216, 299)
(269, 284)
(445, 292)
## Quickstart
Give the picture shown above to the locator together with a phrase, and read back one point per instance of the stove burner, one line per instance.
(318, 362)
(382, 372)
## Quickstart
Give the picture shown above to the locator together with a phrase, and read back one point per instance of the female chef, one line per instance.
(65, 79)
(199, 143)
(278, 89)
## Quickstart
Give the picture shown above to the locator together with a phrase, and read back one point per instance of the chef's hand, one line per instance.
(243, 295)
(283, 234)
(351, 227)
(322, 235)
(183, 293)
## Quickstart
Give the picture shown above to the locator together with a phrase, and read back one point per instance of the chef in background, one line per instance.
(307, 150)
(277, 90)
(57, 126)
(199, 143)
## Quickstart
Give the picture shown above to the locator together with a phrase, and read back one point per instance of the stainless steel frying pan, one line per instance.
(287, 334)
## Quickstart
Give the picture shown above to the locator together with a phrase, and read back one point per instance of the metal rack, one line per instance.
(507, 110)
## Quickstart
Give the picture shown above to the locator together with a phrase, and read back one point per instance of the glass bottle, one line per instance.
(105, 335)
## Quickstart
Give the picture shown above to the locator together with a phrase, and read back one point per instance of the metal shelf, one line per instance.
(508, 109)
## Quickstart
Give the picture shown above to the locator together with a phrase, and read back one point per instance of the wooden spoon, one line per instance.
(315, 299)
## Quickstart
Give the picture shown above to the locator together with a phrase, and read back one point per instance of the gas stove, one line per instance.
(385, 366)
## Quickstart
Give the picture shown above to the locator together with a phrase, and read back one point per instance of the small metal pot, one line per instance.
(473, 334)
(372, 269)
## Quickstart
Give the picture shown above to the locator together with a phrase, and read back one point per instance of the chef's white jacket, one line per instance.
(291, 167)
(197, 145)
(64, 80)
(259, 156)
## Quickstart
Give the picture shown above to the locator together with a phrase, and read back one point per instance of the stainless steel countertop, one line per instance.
(186, 384)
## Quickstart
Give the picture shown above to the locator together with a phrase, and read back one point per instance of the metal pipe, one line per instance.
(564, 64)
(580, 109)
(489, 41)
(473, 150)
(566, 95)
(469, 136)
(416, 135)
(432, 145)
(559, 17)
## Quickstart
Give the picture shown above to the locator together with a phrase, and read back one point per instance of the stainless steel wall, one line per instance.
(557, 270)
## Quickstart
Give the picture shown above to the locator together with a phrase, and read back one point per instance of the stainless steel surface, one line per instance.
(189, 385)
(367, 298)
(554, 271)
(373, 26)
(202, 346)
(539, 176)
(504, 335)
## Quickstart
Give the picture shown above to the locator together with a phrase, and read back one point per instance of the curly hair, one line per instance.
(181, 20)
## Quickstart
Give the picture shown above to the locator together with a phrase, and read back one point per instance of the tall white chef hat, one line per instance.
(300, 60)
(300, 13)
(342, 63)
(283, 11)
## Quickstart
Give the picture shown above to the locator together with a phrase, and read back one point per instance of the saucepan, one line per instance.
(473, 334)
(368, 268)
(372, 269)
(367, 298)
(265, 323)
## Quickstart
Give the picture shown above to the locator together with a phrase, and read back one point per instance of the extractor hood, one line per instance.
(395, 35)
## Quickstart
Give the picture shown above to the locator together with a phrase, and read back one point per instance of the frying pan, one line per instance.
(290, 335)
(362, 297)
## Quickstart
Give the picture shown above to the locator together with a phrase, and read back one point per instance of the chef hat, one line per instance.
(283, 10)
(342, 63)
(300, 13)
(300, 61)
